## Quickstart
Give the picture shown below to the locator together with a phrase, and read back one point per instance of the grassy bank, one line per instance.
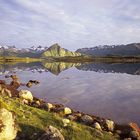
(107, 59)
(33, 121)
(18, 59)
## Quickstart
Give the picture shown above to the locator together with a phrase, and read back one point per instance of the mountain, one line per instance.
(58, 67)
(24, 52)
(108, 50)
(56, 51)
(129, 68)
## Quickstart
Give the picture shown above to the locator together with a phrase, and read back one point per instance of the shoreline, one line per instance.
(66, 113)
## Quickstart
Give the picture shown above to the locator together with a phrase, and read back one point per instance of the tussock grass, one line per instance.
(32, 122)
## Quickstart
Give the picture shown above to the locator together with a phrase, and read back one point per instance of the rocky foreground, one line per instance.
(23, 116)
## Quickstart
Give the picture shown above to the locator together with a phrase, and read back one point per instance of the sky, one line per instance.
(71, 23)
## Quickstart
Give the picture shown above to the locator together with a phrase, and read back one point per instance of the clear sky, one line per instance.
(71, 23)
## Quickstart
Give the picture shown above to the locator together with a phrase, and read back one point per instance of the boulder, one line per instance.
(67, 111)
(66, 122)
(8, 129)
(86, 119)
(97, 126)
(135, 127)
(52, 133)
(29, 84)
(49, 106)
(109, 125)
(26, 94)
(134, 134)
(5, 92)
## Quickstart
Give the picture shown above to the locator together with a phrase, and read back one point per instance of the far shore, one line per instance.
(76, 59)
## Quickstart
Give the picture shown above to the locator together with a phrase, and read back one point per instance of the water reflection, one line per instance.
(96, 88)
(57, 67)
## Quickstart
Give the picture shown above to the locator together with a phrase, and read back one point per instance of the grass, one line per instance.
(33, 121)
(107, 59)
(18, 59)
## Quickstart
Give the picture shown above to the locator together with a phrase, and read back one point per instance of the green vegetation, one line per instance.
(32, 123)
(56, 51)
(12, 59)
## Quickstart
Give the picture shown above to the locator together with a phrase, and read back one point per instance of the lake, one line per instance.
(103, 89)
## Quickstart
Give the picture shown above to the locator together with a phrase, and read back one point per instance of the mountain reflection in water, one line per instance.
(57, 67)
(110, 90)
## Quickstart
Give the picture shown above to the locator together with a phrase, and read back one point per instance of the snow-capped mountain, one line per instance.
(21, 52)
(39, 48)
(132, 49)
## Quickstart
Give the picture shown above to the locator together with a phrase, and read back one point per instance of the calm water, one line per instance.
(107, 90)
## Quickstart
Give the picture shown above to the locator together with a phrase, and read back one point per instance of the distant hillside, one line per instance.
(117, 50)
(56, 51)
(25, 52)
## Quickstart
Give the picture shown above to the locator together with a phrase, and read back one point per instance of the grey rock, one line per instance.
(110, 125)
(97, 126)
(52, 133)
(87, 119)
(134, 134)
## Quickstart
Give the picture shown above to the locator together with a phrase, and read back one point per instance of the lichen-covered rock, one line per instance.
(8, 130)
(66, 122)
(52, 133)
(67, 111)
(49, 106)
(5, 92)
(25, 94)
(109, 125)
(135, 127)
(97, 126)
(86, 119)
(29, 84)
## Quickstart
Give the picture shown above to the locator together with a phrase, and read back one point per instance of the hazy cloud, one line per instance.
(73, 24)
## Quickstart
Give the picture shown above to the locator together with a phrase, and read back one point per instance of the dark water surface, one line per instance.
(106, 90)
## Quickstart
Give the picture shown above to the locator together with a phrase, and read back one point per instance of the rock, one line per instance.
(97, 126)
(5, 92)
(109, 125)
(125, 129)
(3, 82)
(25, 94)
(29, 84)
(24, 101)
(71, 117)
(134, 134)
(98, 133)
(86, 119)
(15, 84)
(14, 77)
(34, 81)
(135, 127)
(49, 106)
(38, 103)
(127, 139)
(8, 130)
(52, 133)
(66, 122)
(67, 111)
(118, 132)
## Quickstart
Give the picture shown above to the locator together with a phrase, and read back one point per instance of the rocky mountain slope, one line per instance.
(53, 51)
(117, 50)
(56, 51)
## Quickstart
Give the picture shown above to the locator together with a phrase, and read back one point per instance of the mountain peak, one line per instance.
(54, 46)
(56, 51)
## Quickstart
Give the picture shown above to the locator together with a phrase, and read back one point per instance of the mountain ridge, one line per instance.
(132, 49)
